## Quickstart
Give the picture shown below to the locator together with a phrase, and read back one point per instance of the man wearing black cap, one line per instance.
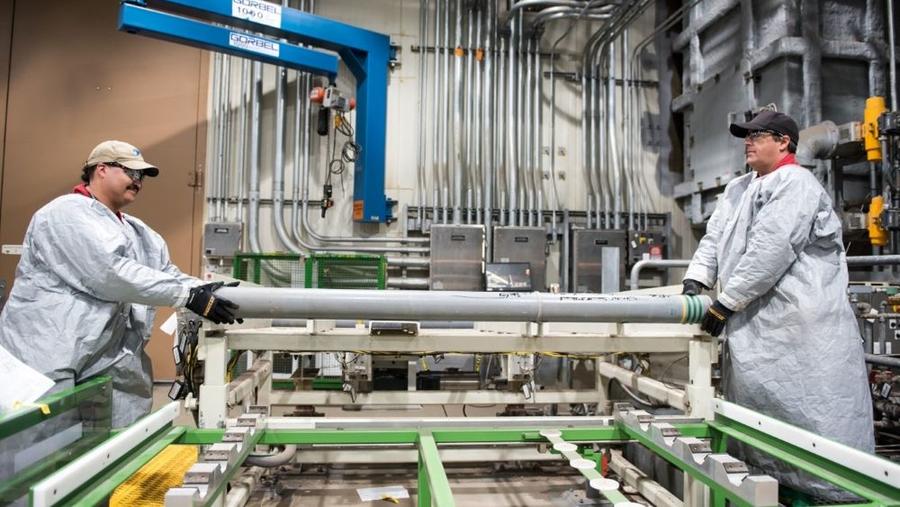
(89, 280)
(793, 347)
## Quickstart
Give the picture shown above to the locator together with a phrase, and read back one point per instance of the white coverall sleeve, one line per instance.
(173, 270)
(780, 230)
(703, 266)
(93, 260)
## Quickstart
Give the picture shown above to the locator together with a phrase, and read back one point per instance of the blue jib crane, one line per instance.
(270, 33)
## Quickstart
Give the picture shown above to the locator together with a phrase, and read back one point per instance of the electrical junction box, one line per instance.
(598, 260)
(523, 244)
(222, 239)
(457, 257)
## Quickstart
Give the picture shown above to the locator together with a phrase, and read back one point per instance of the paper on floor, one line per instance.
(373, 494)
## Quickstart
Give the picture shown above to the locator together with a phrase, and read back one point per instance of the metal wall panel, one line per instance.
(524, 244)
(814, 59)
(457, 257)
(588, 259)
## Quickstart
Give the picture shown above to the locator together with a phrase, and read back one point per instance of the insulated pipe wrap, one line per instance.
(817, 142)
(282, 303)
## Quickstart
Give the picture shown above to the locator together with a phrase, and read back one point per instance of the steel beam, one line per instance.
(429, 397)
(434, 488)
(172, 28)
(464, 341)
(866, 475)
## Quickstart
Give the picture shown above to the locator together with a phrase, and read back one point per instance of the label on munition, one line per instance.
(255, 44)
(257, 11)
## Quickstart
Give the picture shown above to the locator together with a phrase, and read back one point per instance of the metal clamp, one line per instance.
(205, 476)
(727, 471)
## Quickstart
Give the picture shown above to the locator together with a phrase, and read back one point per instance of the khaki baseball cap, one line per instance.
(123, 154)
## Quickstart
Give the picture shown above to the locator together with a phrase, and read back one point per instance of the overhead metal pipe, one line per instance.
(649, 263)
(409, 262)
(873, 260)
(267, 302)
(893, 362)
(522, 4)
(408, 283)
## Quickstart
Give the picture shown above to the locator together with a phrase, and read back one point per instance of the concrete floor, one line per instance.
(497, 485)
(551, 486)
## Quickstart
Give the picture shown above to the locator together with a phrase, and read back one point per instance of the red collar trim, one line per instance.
(82, 189)
(787, 160)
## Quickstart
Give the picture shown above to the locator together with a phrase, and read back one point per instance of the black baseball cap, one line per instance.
(768, 120)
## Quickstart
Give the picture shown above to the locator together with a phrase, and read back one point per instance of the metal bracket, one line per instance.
(608, 488)
(726, 471)
(206, 479)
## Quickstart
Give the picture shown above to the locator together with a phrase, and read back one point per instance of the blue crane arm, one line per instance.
(268, 32)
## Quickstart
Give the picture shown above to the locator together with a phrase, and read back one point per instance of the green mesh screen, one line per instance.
(336, 271)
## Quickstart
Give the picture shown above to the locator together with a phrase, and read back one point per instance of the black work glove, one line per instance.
(202, 302)
(692, 287)
(715, 318)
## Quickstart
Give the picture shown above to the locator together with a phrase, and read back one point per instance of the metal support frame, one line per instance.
(869, 476)
(433, 485)
(215, 345)
(678, 441)
(112, 462)
(366, 53)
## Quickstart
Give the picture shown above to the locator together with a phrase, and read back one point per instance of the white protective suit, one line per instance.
(793, 347)
(83, 300)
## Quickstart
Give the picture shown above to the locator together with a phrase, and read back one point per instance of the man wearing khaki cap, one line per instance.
(89, 280)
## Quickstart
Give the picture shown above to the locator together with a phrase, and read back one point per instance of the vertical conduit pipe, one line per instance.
(458, 163)
(478, 108)
(469, 126)
(242, 140)
(423, 99)
(892, 52)
(445, 116)
(487, 129)
(511, 125)
(528, 127)
(253, 196)
(435, 116)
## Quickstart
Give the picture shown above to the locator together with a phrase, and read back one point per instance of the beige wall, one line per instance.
(73, 81)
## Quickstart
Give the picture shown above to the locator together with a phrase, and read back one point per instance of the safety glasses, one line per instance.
(134, 174)
(759, 135)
